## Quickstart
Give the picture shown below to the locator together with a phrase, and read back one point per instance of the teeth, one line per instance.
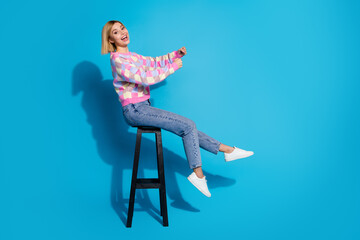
(123, 37)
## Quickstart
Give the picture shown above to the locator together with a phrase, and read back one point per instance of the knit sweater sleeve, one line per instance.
(160, 61)
(133, 73)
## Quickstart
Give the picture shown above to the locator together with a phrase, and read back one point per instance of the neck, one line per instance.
(122, 50)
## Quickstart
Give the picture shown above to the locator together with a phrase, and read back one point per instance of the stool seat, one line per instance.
(144, 183)
(148, 129)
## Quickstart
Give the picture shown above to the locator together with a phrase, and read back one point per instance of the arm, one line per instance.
(134, 74)
(160, 61)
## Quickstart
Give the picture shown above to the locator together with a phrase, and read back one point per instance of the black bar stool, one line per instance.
(137, 183)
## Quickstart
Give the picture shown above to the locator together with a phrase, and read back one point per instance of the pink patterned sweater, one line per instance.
(134, 73)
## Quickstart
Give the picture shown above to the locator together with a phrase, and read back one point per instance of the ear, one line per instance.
(111, 41)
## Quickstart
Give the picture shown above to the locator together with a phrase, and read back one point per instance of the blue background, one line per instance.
(280, 78)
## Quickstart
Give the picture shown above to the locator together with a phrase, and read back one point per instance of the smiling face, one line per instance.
(119, 35)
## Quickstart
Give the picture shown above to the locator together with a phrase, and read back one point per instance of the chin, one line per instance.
(126, 43)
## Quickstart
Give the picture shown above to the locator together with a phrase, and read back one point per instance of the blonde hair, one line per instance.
(107, 46)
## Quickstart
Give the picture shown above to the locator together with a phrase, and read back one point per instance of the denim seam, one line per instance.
(157, 116)
(211, 144)
(218, 148)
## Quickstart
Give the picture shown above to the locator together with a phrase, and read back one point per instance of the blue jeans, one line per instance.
(143, 114)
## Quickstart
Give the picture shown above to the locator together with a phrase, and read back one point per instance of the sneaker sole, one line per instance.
(250, 154)
(197, 187)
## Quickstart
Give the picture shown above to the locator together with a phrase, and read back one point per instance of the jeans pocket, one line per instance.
(125, 110)
(126, 113)
(127, 120)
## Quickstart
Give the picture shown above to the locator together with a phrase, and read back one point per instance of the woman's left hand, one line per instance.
(182, 51)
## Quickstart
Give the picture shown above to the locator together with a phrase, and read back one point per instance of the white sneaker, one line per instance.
(199, 183)
(236, 154)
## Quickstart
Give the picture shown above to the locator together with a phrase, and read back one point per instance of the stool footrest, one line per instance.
(147, 183)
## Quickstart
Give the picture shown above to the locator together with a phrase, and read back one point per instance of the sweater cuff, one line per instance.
(177, 54)
(175, 66)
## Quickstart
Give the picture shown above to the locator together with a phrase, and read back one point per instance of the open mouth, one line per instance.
(124, 38)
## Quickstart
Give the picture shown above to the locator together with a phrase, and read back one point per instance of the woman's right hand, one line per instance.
(178, 61)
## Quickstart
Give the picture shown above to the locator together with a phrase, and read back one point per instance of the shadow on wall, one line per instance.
(116, 145)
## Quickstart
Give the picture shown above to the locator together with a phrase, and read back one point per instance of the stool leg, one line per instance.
(158, 168)
(160, 197)
(160, 161)
(133, 179)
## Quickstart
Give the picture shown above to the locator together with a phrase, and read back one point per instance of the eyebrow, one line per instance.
(120, 27)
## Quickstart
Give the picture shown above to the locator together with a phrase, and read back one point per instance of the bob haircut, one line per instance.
(107, 46)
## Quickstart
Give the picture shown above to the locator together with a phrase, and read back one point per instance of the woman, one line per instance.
(133, 74)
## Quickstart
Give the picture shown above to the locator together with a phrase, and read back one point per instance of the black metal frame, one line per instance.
(143, 183)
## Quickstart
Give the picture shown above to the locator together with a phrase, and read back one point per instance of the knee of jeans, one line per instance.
(190, 125)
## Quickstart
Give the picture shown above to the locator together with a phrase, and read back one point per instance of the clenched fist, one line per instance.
(178, 61)
(182, 51)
